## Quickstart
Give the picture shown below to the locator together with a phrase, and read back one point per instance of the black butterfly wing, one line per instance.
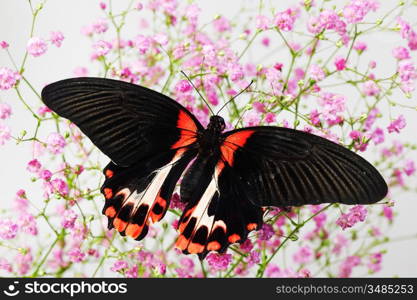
(126, 122)
(284, 167)
(216, 214)
(148, 136)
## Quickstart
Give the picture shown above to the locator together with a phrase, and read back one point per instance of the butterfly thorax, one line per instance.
(209, 138)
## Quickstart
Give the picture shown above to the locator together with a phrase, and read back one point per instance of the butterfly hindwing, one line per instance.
(284, 167)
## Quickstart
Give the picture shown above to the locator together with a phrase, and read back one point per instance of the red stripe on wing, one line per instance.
(232, 143)
(188, 130)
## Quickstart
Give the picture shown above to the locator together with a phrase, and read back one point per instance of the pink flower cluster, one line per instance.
(356, 214)
(8, 78)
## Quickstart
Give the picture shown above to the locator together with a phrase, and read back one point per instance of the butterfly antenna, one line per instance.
(188, 78)
(235, 96)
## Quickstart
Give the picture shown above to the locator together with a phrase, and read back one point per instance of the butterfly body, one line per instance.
(227, 177)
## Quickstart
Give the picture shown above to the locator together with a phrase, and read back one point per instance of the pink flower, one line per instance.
(55, 143)
(378, 136)
(356, 10)
(23, 261)
(27, 224)
(266, 232)
(183, 86)
(409, 168)
(75, 255)
(340, 243)
(59, 186)
(45, 175)
(397, 124)
(303, 255)
(251, 118)
(400, 53)
(56, 38)
(355, 135)
(100, 26)
(345, 269)
(34, 166)
(221, 24)
(143, 43)
(360, 47)
(68, 219)
(340, 63)
(408, 75)
(101, 48)
(119, 266)
(375, 261)
(219, 262)
(80, 72)
(5, 133)
(8, 78)
(5, 265)
(43, 110)
(20, 202)
(5, 110)
(317, 73)
(356, 214)
(388, 212)
(4, 45)
(103, 5)
(8, 229)
(253, 258)
(161, 38)
(262, 22)
(270, 118)
(285, 20)
(370, 88)
(36, 46)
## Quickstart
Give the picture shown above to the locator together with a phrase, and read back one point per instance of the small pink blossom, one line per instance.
(8, 78)
(59, 186)
(75, 255)
(400, 53)
(397, 124)
(285, 20)
(345, 269)
(409, 168)
(20, 202)
(356, 214)
(221, 24)
(80, 72)
(262, 22)
(101, 48)
(378, 136)
(252, 118)
(4, 45)
(27, 224)
(356, 10)
(68, 219)
(100, 26)
(55, 143)
(218, 262)
(388, 213)
(5, 110)
(45, 175)
(43, 110)
(36, 46)
(375, 261)
(56, 38)
(340, 63)
(317, 73)
(303, 255)
(370, 88)
(5, 133)
(8, 229)
(5, 265)
(34, 166)
(183, 86)
(360, 46)
(266, 232)
(270, 118)
(119, 266)
(340, 242)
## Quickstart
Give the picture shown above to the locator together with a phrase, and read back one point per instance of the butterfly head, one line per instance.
(216, 124)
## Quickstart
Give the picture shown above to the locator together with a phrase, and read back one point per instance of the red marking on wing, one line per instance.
(232, 143)
(188, 130)
(110, 212)
(109, 173)
(108, 193)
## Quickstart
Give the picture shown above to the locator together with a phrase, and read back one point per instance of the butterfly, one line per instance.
(227, 178)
